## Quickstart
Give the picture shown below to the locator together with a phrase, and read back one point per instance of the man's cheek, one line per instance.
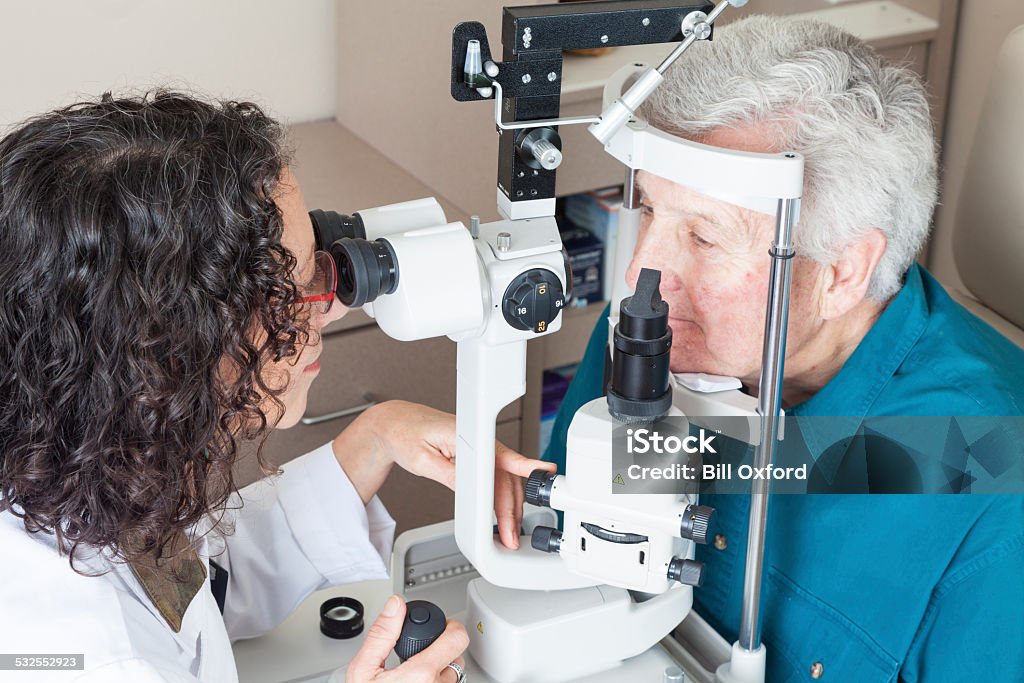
(735, 316)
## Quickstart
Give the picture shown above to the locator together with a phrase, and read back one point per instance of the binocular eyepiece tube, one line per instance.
(422, 274)
(366, 268)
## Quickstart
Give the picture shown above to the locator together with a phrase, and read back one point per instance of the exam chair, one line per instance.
(988, 237)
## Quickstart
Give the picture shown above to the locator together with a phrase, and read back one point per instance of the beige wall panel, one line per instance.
(280, 55)
(983, 25)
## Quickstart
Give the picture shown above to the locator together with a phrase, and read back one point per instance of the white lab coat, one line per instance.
(297, 533)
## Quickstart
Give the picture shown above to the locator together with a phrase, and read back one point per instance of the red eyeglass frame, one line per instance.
(325, 264)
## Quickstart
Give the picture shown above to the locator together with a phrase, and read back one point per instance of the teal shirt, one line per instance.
(879, 587)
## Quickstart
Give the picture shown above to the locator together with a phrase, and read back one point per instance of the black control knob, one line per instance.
(695, 523)
(546, 539)
(424, 623)
(533, 300)
(538, 488)
(686, 572)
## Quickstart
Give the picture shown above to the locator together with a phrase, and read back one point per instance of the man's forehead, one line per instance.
(673, 195)
(673, 198)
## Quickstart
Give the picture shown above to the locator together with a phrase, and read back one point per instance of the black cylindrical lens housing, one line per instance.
(640, 377)
(366, 269)
(639, 390)
(331, 226)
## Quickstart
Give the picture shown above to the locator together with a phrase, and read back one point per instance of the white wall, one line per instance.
(277, 53)
(983, 26)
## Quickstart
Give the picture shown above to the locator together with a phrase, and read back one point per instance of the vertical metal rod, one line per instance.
(625, 244)
(630, 191)
(769, 403)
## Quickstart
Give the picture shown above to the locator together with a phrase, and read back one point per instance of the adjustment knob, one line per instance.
(533, 300)
(424, 623)
(546, 539)
(538, 488)
(695, 522)
(686, 572)
(540, 148)
(546, 154)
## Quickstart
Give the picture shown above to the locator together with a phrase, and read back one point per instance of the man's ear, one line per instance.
(848, 277)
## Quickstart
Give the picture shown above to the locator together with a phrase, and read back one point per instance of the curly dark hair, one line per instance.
(144, 288)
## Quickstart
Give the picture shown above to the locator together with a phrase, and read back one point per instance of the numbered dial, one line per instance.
(533, 300)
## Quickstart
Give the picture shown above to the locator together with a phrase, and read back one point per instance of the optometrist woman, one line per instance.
(161, 303)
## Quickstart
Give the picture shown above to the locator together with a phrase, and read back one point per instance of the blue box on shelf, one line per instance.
(586, 257)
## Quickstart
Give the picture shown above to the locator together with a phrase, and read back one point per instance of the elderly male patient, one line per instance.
(858, 588)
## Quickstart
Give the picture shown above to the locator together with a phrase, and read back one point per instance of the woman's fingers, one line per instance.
(518, 464)
(380, 641)
(448, 675)
(508, 507)
(511, 468)
(434, 465)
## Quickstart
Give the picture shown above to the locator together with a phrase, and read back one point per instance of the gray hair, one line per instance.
(862, 124)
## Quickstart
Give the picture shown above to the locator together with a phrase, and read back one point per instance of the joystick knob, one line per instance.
(424, 623)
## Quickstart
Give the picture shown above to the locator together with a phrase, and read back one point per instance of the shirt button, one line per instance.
(817, 670)
(721, 542)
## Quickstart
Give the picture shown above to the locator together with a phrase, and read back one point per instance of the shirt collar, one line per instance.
(851, 394)
(191, 618)
(174, 581)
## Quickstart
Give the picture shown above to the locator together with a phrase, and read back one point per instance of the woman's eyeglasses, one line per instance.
(322, 288)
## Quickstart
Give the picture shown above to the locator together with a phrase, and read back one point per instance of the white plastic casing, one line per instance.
(585, 495)
(439, 285)
(556, 636)
(744, 666)
(491, 373)
(387, 220)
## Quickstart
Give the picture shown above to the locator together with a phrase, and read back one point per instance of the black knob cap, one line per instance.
(686, 572)
(424, 623)
(533, 300)
(546, 539)
(696, 522)
(538, 488)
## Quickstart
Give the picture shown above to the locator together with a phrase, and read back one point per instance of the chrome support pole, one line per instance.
(630, 191)
(769, 403)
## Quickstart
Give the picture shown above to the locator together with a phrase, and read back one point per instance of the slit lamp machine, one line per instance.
(592, 598)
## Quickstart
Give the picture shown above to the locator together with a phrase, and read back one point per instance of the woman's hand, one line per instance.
(429, 666)
(422, 440)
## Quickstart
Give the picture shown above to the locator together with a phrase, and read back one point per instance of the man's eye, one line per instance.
(646, 209)
(700, 241)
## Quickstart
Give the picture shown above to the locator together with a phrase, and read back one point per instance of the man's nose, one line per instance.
(650, 254)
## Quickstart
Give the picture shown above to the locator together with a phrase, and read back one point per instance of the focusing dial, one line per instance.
(533, 300)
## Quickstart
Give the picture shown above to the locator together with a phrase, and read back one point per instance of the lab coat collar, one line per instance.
(192, 618)
(103, 565)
